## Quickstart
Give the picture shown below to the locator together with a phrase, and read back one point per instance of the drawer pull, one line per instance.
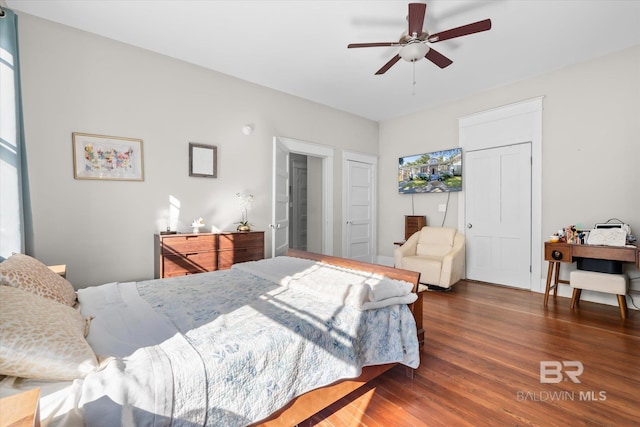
(557, 255)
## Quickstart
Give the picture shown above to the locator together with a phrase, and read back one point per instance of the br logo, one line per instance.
(553, 371)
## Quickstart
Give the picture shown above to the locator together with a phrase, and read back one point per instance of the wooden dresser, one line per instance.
(182, 254)
(413, 223)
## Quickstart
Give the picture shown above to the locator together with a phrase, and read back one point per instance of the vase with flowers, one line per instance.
(245, 204)
(197, 224)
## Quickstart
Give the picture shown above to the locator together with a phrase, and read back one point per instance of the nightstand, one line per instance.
(20, 410)
(60, 269)
(413, 223)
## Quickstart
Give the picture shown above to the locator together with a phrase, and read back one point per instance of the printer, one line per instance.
(608, 234)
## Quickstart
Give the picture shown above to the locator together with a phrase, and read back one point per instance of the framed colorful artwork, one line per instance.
(107, 157)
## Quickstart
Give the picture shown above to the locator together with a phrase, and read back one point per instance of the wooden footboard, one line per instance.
(310, 403)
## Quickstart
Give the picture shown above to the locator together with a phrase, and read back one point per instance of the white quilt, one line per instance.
(227, 348)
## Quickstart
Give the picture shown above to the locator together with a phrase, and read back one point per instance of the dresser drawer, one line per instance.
(182, 254)
(557, 252)
(179, 265)
(240, 240)
(188, 244)
(229, 257)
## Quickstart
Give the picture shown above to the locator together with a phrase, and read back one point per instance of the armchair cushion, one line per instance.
(426, 265)
(435, 241)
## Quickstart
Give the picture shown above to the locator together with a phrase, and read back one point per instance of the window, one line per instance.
(11, 144)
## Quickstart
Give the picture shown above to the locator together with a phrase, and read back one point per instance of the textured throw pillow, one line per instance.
(42, 338)
(27, 273)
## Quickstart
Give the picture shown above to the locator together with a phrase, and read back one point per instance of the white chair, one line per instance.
(437, 253)
(601, 282)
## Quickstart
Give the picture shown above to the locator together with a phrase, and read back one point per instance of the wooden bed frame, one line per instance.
(312, 402)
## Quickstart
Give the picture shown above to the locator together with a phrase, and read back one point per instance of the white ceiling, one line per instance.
(300, 47)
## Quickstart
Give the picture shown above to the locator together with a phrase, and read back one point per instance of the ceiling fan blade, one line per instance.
(388, 65)
(437, 58)
(416, 18)
(476, 27)
(352, 45)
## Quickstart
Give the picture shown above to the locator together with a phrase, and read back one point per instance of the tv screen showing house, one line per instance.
(435, 172)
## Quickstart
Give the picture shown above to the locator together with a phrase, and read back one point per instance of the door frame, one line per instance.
(326, 154)
(372, 160)
(520, 121)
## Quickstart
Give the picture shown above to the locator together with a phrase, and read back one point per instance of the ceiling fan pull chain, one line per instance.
(413, 92)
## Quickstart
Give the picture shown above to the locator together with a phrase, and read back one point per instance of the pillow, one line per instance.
(42, 338)
(24, 272)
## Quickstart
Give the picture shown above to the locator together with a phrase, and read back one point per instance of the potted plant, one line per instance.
(245, 203)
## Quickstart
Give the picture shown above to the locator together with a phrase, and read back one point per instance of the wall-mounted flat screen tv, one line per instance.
(436, 172)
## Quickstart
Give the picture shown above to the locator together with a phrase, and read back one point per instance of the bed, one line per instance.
(268, 342)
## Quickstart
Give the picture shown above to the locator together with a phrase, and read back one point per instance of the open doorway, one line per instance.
(305, 202)
(318, 191)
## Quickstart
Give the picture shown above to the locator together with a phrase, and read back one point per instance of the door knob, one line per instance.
(469, 225)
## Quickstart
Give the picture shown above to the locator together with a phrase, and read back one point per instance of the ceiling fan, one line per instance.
(415, 44)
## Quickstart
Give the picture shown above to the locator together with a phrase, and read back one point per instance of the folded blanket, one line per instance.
(329, 284)
(406, 299)
(382, 289)
(359, 289)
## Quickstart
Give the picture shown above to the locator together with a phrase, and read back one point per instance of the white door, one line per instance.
(498, 215)
(360, 210)
(280, 202)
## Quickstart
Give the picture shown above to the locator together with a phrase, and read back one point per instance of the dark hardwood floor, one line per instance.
(481, 366)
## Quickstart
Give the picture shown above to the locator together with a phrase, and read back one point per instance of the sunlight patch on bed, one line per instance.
(342, 337)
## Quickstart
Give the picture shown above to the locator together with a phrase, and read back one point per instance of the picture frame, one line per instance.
(105, 157)
(203, 160)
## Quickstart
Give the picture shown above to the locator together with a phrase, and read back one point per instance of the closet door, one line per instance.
(498, 202)
(359, 204)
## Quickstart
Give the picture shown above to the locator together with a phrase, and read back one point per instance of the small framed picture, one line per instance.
(203, 160)
(107, 157)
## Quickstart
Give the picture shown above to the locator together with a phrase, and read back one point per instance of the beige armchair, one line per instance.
(437, 253)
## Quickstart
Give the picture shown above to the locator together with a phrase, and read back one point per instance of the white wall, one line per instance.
(591, 151)
(73, 81)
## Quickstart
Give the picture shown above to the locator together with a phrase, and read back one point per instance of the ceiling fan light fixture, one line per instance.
(413, 51)
(414, 43)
